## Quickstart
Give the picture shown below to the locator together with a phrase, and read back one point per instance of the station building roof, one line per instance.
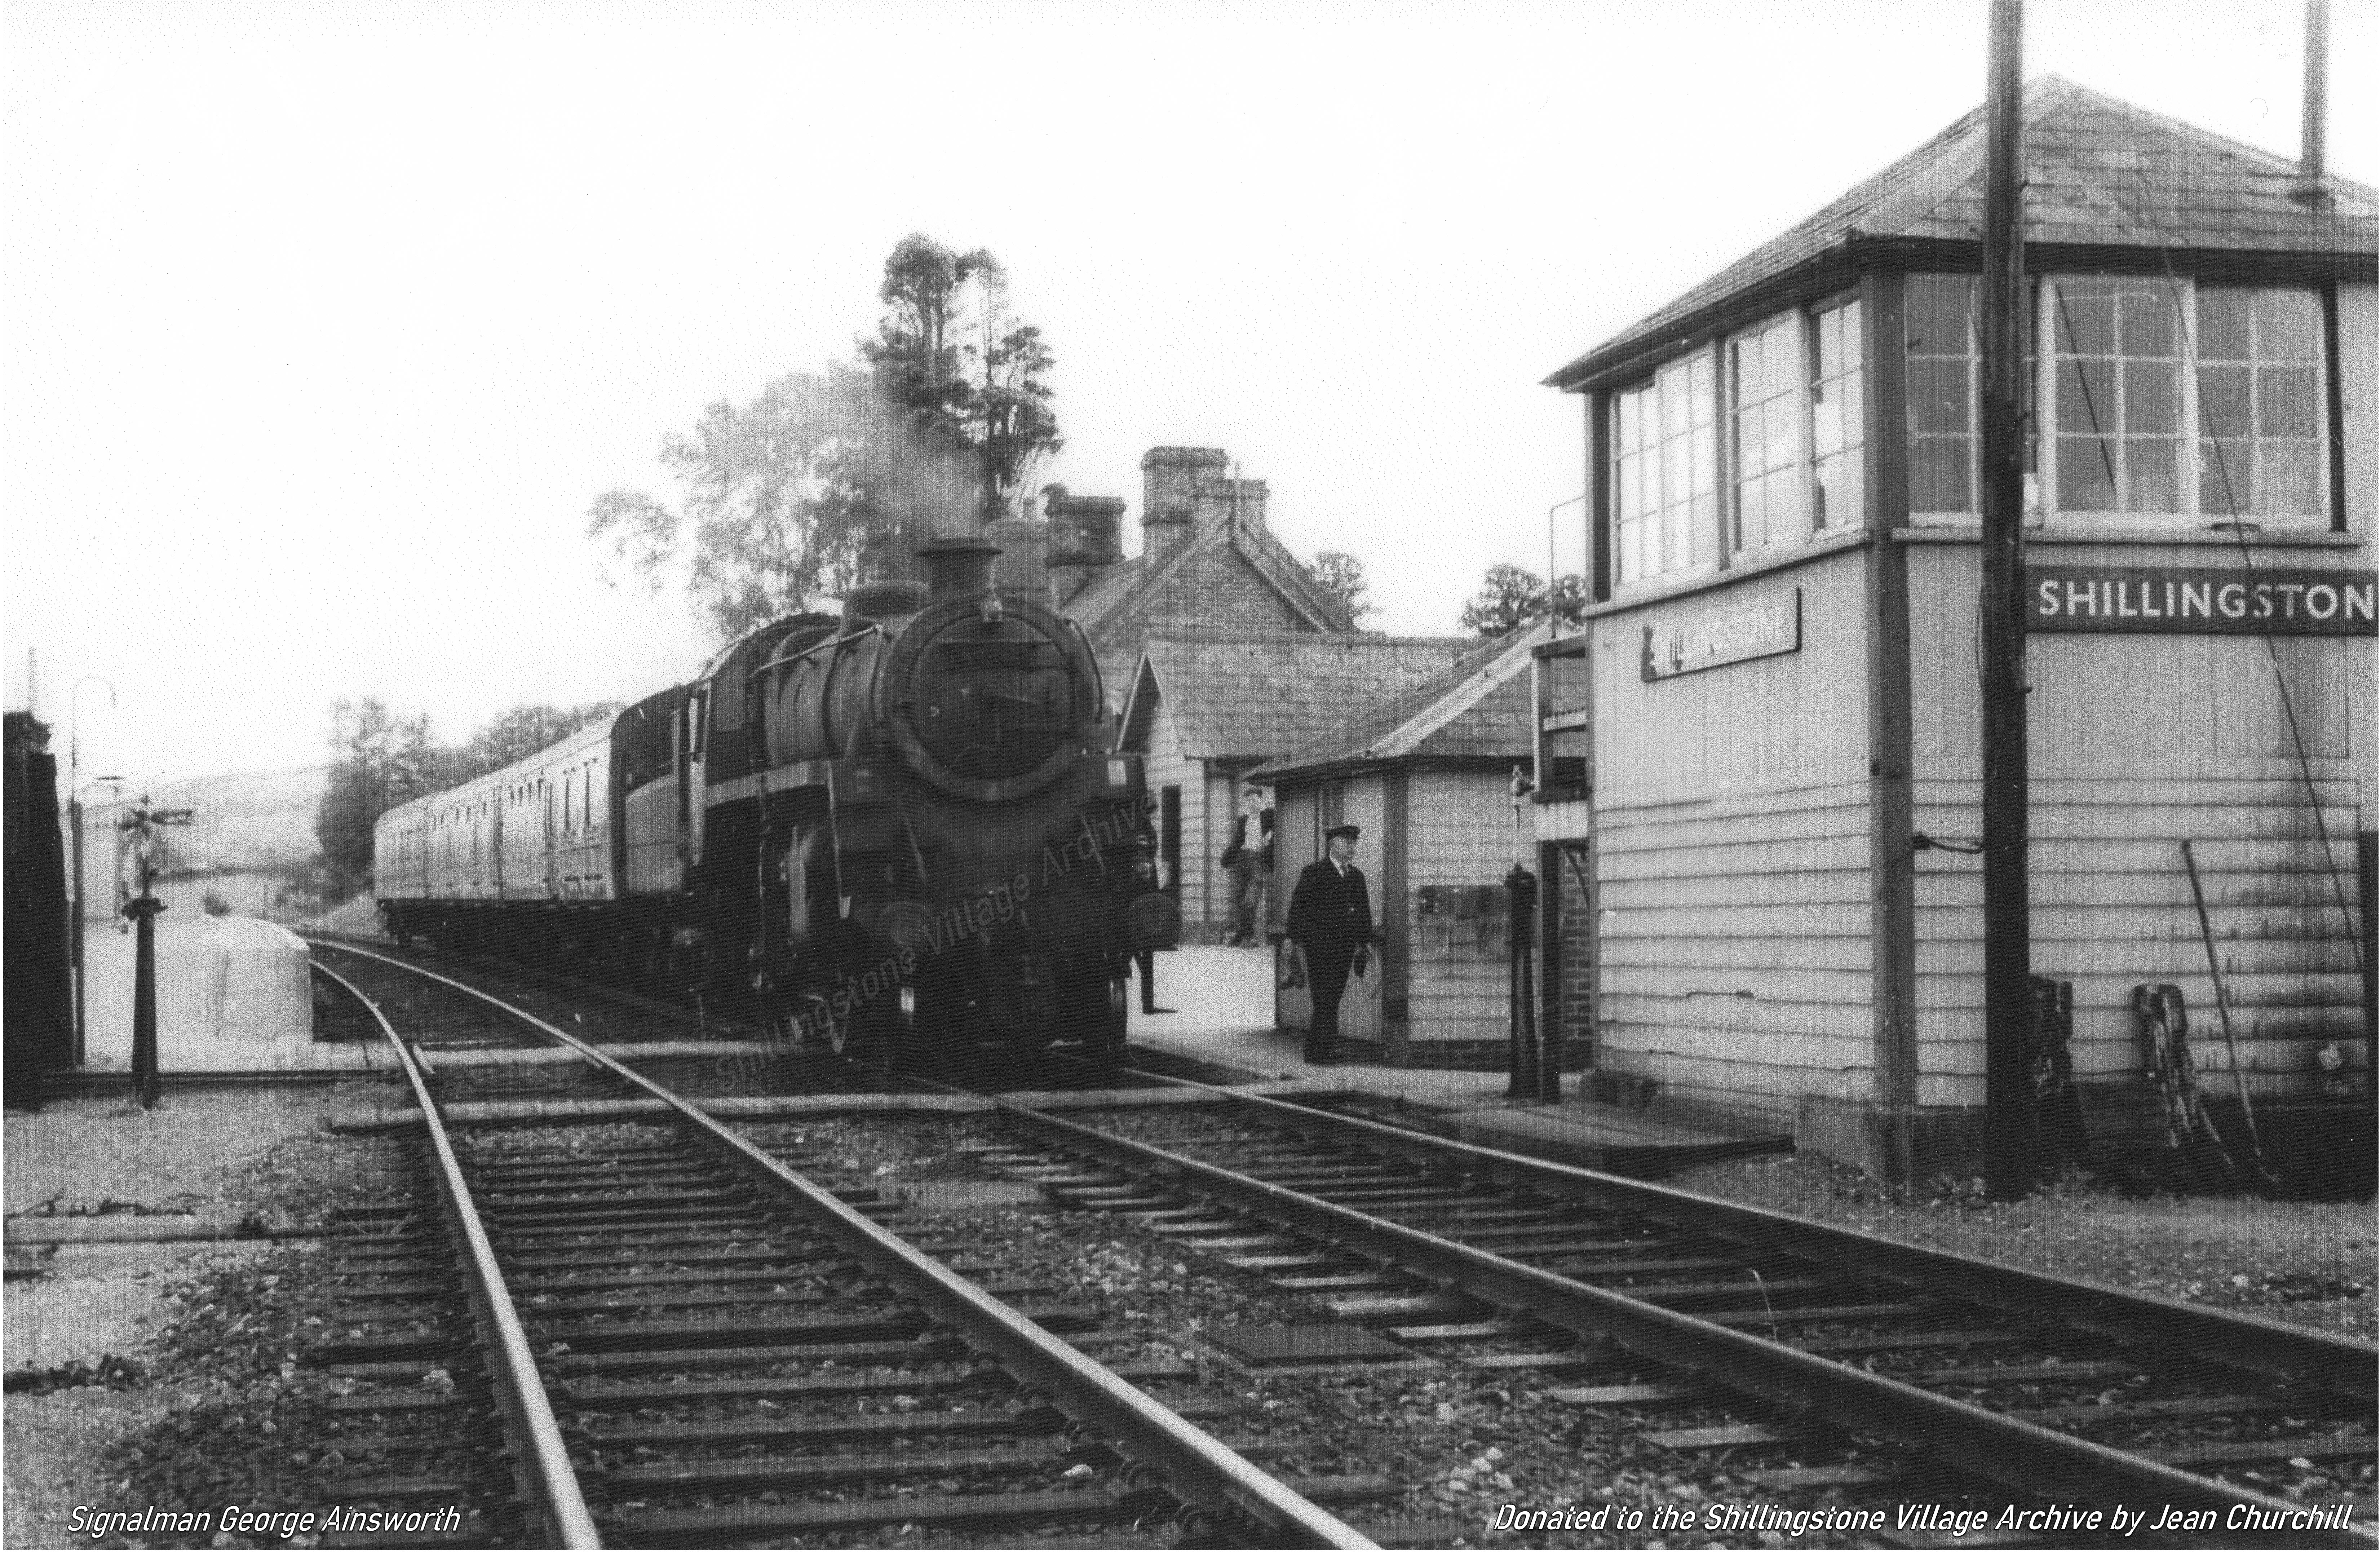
(1476, 709)
(1246, 700)
(2105, 181)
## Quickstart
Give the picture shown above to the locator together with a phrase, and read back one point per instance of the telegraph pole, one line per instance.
(2009, 1148)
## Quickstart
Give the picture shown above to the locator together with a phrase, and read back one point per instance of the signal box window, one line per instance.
(1837, 432)
(2119, 386)
(1765, 377)
(1665, 472)
(2260, 403)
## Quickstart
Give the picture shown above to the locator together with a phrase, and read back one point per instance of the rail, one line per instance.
(541, 1467)
(2226, 1338)
(2021, 1455)
(1194, 1467)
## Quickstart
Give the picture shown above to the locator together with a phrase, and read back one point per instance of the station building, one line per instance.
(1427, 774)
(1209, 562)
(1764, 742)
(1218, 647)
(1206, 709)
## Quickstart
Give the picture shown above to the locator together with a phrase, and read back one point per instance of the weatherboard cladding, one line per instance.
(2100, 173)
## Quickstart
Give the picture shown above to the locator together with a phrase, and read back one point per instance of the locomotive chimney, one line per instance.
(958, 567)
(1086, 537)
(1170, 482)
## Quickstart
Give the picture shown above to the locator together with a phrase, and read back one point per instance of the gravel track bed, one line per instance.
(1462, 1441)
(224, 1401)
(2071, 1212)
(2309, 1263)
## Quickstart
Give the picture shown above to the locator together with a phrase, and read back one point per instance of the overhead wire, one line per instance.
(2248, 560)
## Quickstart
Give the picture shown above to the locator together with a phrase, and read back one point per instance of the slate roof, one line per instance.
(1477, 708)
(1123, 589)
(1096, 604)
(1249, 699)
(2098, 173)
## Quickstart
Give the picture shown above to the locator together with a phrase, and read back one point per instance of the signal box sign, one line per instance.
(1759, 625)
(2198, 601)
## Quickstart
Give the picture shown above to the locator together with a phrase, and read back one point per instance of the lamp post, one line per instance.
(74, 821)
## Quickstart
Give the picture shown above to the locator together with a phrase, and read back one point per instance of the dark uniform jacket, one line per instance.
(1329, 914)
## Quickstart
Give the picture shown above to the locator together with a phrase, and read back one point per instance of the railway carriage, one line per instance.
(904, 824)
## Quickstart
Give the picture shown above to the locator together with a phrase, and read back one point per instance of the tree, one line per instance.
(980, 397)
(829, 478)
(1341, 576)
(522, 732)
(383, 760)
(1513, 596)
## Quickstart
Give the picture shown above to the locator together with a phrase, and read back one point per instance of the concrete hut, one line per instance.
(1427, 773)
(1772, 710)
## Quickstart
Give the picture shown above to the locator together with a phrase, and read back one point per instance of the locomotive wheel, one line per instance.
(895, 1017)
(1110, 1036)
(849, 1035)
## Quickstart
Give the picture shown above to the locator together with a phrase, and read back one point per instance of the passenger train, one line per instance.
(905, 826)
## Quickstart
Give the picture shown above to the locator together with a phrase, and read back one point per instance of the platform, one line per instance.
(1598, 1136)
(1223, 1034)
(233, 994)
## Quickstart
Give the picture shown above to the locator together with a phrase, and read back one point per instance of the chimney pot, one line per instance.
(2315, 128)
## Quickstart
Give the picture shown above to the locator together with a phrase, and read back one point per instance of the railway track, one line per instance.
(681, 1339)
(1868, 1365)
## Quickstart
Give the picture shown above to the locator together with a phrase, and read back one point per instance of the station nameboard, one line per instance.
(1761, 624)
(2220, 601)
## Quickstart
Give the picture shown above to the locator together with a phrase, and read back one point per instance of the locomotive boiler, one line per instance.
(903, 826)
(949, 838)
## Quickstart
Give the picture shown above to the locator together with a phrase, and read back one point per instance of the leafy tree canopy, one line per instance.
(1513, 596)
(829, 478)
(385, 759)
(1341, 576)
(521, 732)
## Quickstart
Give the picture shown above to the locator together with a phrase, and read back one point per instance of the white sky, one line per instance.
(322, 323)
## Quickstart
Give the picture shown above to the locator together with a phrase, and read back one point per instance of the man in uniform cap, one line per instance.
(1330, 921)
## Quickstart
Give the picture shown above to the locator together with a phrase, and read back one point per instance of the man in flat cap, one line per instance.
(1331, 922)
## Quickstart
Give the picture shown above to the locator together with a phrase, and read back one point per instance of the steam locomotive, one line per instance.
(904, 827)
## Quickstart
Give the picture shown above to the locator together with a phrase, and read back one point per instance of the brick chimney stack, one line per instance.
(1023, 569)
(1086, 537)
(1172, 479)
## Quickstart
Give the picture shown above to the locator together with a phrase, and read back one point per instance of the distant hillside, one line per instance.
(245, 820)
